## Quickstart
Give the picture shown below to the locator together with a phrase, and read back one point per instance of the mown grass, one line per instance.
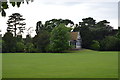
(0, 65)
(78, 64)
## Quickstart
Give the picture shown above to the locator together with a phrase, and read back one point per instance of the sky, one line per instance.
(75, 10)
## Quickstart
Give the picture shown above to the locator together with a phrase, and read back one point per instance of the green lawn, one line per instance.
(0, 65)
(80, 64)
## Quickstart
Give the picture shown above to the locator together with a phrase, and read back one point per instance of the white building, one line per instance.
(75, 40)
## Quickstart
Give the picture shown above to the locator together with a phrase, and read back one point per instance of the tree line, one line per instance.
(53, 36)
(98, 35)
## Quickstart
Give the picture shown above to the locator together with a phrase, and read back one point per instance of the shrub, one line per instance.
(20, 47)
(95, 45)
(9, 42)
(30, 47)
(110, 43)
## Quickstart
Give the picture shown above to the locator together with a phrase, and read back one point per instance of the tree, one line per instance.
(20, 44)
(102, 30)
(9, 43)
(4, 5)
(95, 45)
(118, 33)
(15, 23)
(20, 47)
(110, 43)
(118, 36)
(84, 28)
(39, 27)
(90, 30)
(29, 47)
(59, 40)
(51, 24)
(90, 22)
(4, 46)
(41, 41)
(28, 39)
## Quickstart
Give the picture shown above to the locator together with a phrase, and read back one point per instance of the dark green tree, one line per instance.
(41, 41)
(3, 46)
(29, 46)
(90, 30)
(20, 47)
(118, 37)
(51, 24)
(118, 33)
(39, 27)
(95, 45)
(59, 40)
(20, 44)
(5, 5)
(84, 28)
(15, 24)
(28, 39)
(9, 43)
(89, 22)
(102, 30)
(110, 43)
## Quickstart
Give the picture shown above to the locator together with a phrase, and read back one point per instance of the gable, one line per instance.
(73, 35)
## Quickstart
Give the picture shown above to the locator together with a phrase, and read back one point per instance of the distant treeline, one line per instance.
(53, 35)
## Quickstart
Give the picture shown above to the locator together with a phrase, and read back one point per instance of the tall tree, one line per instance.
(59, 40)
(9, 42)
(39, 27)
(51, 24)
(102, 29)
(84, 28)
(15, 23)
(90, 30)
(90, 22)
(41, 41)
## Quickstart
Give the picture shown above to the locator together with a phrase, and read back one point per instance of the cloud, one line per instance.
(72, 2)
(75, 10)
(119, 14)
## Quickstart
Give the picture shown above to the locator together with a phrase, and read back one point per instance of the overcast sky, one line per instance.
(75, 10)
